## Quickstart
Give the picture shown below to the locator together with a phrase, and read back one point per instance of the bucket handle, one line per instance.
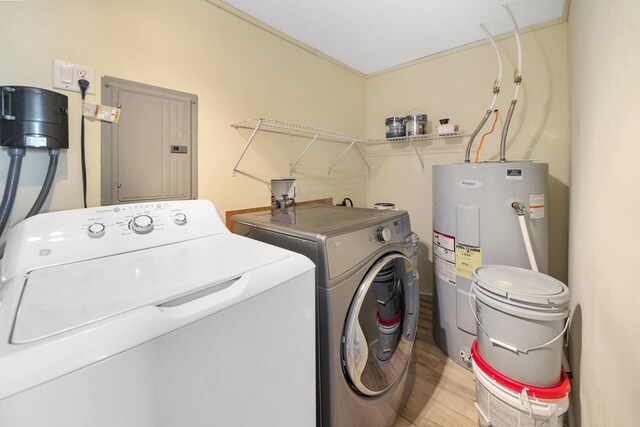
(481, 412)
(510, 347)
(394, 114)
(524, 400)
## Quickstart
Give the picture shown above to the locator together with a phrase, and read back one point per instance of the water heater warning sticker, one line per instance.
(467, 259)
(536, 206)
(444, 241)
(444, 257)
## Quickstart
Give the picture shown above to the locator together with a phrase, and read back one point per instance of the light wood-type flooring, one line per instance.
(443, 393)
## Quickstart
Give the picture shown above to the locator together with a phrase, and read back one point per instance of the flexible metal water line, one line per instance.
(48, 182)
(11, 187)
(496, 91)
(467, 153)
(505, 131)
(517, 79)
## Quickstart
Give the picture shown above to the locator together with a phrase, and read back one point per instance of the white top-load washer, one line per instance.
(153, 315)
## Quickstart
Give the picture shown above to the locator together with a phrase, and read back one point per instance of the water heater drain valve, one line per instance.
(519, 207)
(466, 357)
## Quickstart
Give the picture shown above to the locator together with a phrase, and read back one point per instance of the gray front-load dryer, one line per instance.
(367, 304)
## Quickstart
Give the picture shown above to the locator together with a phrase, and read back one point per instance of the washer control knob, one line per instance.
(142, 224)
(383, 234)
(180, 218)
(96, 230)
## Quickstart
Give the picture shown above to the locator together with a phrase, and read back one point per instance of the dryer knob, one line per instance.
(142, 224)
(96, 230)
(383, 234)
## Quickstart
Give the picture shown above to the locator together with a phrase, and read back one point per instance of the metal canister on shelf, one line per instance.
(416, 124)
(395, 127)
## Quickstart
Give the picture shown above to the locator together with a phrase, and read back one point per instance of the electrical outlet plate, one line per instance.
(66, 76)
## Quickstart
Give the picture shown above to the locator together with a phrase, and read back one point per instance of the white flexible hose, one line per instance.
(518, 71)
(496, 92)
(493, 101)
(516, 92)
(527, 243)
(499, 80)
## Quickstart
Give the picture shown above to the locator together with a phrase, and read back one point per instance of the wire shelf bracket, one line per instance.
(315, 138)
(418, 155)
(246, 147)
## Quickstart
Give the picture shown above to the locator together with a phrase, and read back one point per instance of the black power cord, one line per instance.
(344, 202)
(84, 84)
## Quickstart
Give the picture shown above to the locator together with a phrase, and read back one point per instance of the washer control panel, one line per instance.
(77, 235)
(137, 219)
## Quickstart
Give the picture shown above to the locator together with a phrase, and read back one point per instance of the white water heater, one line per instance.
(475, 223)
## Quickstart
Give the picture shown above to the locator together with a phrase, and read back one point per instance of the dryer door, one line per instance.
(380, 328)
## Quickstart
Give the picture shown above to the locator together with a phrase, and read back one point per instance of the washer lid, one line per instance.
(65, 297)
(520, 285)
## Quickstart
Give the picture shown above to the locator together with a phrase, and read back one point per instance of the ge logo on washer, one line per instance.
(45, 252)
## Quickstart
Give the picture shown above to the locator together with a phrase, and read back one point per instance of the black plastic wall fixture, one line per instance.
(33, 118)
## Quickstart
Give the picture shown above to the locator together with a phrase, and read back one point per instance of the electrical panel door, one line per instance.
(151, 151)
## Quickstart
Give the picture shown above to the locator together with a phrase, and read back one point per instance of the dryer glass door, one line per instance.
(380, 328)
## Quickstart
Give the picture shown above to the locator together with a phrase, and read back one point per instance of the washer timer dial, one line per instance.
(141, 224)
(96, 230)
(180, 218)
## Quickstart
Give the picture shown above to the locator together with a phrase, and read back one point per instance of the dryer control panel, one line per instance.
(348, 249)
(77, 235)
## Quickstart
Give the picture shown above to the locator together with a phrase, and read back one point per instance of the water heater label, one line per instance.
(444, 257)
(470, 183)
(514, 174)
(446, 271)
(536, 206)
(467, 259)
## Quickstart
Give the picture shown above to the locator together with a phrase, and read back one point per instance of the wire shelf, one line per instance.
(318, 134)
(277, 126)
(424, 137)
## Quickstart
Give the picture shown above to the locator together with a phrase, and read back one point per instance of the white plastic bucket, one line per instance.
(522, 316)
(515, 404)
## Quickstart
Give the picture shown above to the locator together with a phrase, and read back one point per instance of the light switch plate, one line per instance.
(66, 76)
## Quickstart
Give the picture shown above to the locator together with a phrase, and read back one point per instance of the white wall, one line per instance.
(457, 85)
(604, 230)
(238, 71)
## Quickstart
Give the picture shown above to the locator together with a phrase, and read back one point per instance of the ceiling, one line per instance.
(374, 35)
